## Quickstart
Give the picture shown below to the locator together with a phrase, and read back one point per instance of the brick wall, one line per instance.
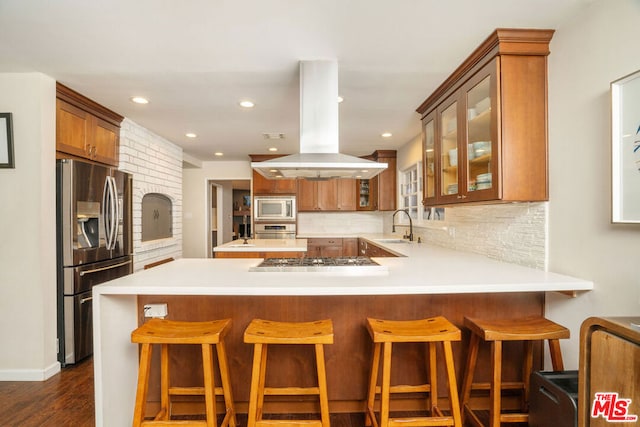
(156, 165)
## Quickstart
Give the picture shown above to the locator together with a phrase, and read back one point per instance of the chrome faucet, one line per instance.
(393, 223)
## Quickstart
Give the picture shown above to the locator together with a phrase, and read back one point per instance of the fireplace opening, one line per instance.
(157, 217)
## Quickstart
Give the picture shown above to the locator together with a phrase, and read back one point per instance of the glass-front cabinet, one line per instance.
(429, 162)
(485, 128)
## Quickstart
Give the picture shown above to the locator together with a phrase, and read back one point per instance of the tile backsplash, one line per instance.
(513, 232)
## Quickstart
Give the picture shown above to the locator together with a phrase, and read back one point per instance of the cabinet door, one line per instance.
(429, 159)
(73, 129)
(480, 144)
(106, 141)
(367, 194)
(347, 198)
(327, 197)
(307, 195)
(264, 186)
(350, 246)
(387, 185)
(448, 149)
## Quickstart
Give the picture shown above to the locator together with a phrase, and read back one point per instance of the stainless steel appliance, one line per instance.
(94, 245)
(347, 265)
(275, 231)
(274, 208)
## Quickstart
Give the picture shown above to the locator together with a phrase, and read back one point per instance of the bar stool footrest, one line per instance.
(305, 423)
(171, 423)
(291, 391)
(421, 421)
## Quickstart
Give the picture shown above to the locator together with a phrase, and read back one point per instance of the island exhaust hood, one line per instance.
(319, 158)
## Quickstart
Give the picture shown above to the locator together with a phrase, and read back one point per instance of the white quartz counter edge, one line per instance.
(425, 270)
(264, 245)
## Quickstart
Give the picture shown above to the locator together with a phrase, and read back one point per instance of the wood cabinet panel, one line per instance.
(609, 353)
(332, 195)
(263, 186)
(295, 254)
(72, 129)
(366, 248)
(86, 129)
(348, 359)
(485, 127)
(324, 247)
(350, 246)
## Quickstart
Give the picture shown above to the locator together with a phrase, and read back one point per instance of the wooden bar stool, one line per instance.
(432, 331)
(170, 332)
(261, 333)
(526, 330)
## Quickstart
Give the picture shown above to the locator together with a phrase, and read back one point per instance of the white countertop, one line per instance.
(264, 245)
(425, 269)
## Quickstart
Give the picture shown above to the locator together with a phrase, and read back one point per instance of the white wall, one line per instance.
(28, 349)
(156, 165)
(195, 197)
(595, 48)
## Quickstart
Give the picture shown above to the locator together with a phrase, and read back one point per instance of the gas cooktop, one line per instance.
(348, 265)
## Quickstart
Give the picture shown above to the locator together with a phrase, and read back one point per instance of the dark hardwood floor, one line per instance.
(66, 399)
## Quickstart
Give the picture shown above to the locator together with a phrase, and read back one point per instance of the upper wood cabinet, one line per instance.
(264, 186)
(86, 129)
(379, 193)
(485, 127)
(330, 195)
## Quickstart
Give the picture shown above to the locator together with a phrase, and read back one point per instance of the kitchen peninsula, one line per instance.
(427, 281)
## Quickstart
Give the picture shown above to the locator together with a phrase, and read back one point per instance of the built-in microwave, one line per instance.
(274, 208)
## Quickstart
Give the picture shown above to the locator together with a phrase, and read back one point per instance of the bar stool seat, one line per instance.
(261, 333)
(432, 331)
(171, 332)
(527, 330)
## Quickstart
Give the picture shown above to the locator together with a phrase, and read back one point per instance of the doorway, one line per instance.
(228, 208)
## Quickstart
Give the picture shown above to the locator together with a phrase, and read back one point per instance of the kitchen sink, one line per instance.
(392, 240)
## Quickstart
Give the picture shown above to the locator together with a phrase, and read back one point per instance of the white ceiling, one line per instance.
(195, 59)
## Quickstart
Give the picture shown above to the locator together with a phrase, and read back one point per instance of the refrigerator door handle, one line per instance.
(84, 300)
(114, 212)
(109, 267)
(106, 193)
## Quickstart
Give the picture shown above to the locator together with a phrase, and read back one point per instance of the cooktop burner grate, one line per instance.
(320, 264)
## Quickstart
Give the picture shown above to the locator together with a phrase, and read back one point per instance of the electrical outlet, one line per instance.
(452, 232)
(155, 310)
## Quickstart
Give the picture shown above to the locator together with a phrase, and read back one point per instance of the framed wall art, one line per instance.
(625, 154)
(6, 141)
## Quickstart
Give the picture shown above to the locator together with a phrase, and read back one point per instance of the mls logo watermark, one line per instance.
(612, 408)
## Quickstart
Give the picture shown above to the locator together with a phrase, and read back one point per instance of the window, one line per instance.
(411, 195)
(411, 190)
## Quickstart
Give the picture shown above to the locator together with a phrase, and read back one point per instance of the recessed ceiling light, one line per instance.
(340, 99)
(273, 149)
(139, 100)
(190, 135)
(273, 170)
(218, 154)
(386, 135)
(247, 104)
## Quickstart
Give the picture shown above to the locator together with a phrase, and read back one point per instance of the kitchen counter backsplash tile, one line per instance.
(340, 223)
(514, 233)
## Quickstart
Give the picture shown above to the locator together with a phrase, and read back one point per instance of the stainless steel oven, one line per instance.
(274, 208)
(275, 231)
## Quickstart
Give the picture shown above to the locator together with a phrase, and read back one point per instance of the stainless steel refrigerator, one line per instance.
(94, 245)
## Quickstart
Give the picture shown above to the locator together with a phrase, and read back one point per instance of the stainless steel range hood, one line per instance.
(319, 156)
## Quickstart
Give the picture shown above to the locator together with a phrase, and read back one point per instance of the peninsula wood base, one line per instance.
(348, 359)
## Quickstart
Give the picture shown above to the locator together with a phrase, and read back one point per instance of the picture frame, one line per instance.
(6, 141)
(625, 149)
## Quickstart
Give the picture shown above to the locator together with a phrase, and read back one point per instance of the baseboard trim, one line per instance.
(30, 374)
